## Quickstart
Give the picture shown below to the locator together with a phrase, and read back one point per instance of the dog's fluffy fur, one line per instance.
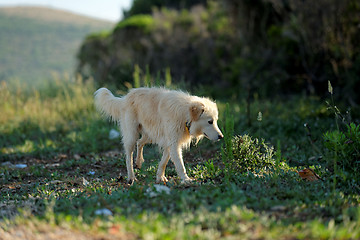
(170, 119)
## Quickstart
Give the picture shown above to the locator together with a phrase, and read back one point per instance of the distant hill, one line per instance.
(36, 42)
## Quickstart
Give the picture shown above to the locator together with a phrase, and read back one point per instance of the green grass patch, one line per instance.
(73, 170)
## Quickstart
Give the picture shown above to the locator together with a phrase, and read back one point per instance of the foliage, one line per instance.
(177, 40)
(250, 155)
(292, 47)
(269, 48)
(147, 6)
(144, 22)
(345, 146)
(241, 154)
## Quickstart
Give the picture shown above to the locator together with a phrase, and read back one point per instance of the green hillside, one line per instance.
(37, 43)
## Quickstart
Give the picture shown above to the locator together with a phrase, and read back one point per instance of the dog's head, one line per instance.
(204, 116)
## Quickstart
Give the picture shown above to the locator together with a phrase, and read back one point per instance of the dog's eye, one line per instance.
(211, 122)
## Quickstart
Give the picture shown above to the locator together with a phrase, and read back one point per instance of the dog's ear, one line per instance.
(196, 110)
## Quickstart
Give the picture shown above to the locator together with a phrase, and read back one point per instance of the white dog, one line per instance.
(170, 119)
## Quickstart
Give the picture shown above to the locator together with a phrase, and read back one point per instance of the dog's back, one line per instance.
(158, 111)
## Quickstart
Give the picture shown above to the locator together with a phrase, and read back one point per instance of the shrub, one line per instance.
(240, 47)
(188, 42)
(345, 147)
(142, 21)
(250, 154)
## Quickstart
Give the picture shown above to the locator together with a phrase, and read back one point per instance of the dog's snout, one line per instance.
(220, 136)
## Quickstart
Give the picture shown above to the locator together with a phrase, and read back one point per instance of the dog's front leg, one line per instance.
(176, 157)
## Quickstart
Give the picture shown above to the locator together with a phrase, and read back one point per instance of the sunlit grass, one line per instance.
(57, 132)
(57, 117)
(49, 107)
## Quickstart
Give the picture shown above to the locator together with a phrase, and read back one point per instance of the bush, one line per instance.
(188, 42)
(141, 21)
(241, 48)
(250, 154)
(344, 146)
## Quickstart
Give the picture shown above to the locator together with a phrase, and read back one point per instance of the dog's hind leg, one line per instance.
(130, 135)
(160, 175)
(176, 157)
(139, 152)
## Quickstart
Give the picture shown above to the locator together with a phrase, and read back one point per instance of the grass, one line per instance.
(73, 169)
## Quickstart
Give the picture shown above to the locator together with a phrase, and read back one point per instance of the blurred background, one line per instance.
(225, 48)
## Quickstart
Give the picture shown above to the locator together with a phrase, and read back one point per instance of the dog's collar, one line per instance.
(187, 126)
(188, 123)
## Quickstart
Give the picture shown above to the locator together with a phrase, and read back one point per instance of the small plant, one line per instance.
(242, 153)
(345, 145)
(250, 154)
(332, 107)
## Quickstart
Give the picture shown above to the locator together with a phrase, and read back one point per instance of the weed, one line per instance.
(242, 153)
(345, 146)
(250, 155)
(343, 150)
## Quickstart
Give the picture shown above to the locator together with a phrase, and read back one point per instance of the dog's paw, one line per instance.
(186, 180)
(139, 162)
(131, 181)
(161, 179)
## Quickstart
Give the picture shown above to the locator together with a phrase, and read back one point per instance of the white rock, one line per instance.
(104, 211)
(156, 190)
(20, 165)
(6, 164)
(113, 134)
(10, 165)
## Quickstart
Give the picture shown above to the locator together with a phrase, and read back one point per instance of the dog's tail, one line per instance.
(107, 104)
